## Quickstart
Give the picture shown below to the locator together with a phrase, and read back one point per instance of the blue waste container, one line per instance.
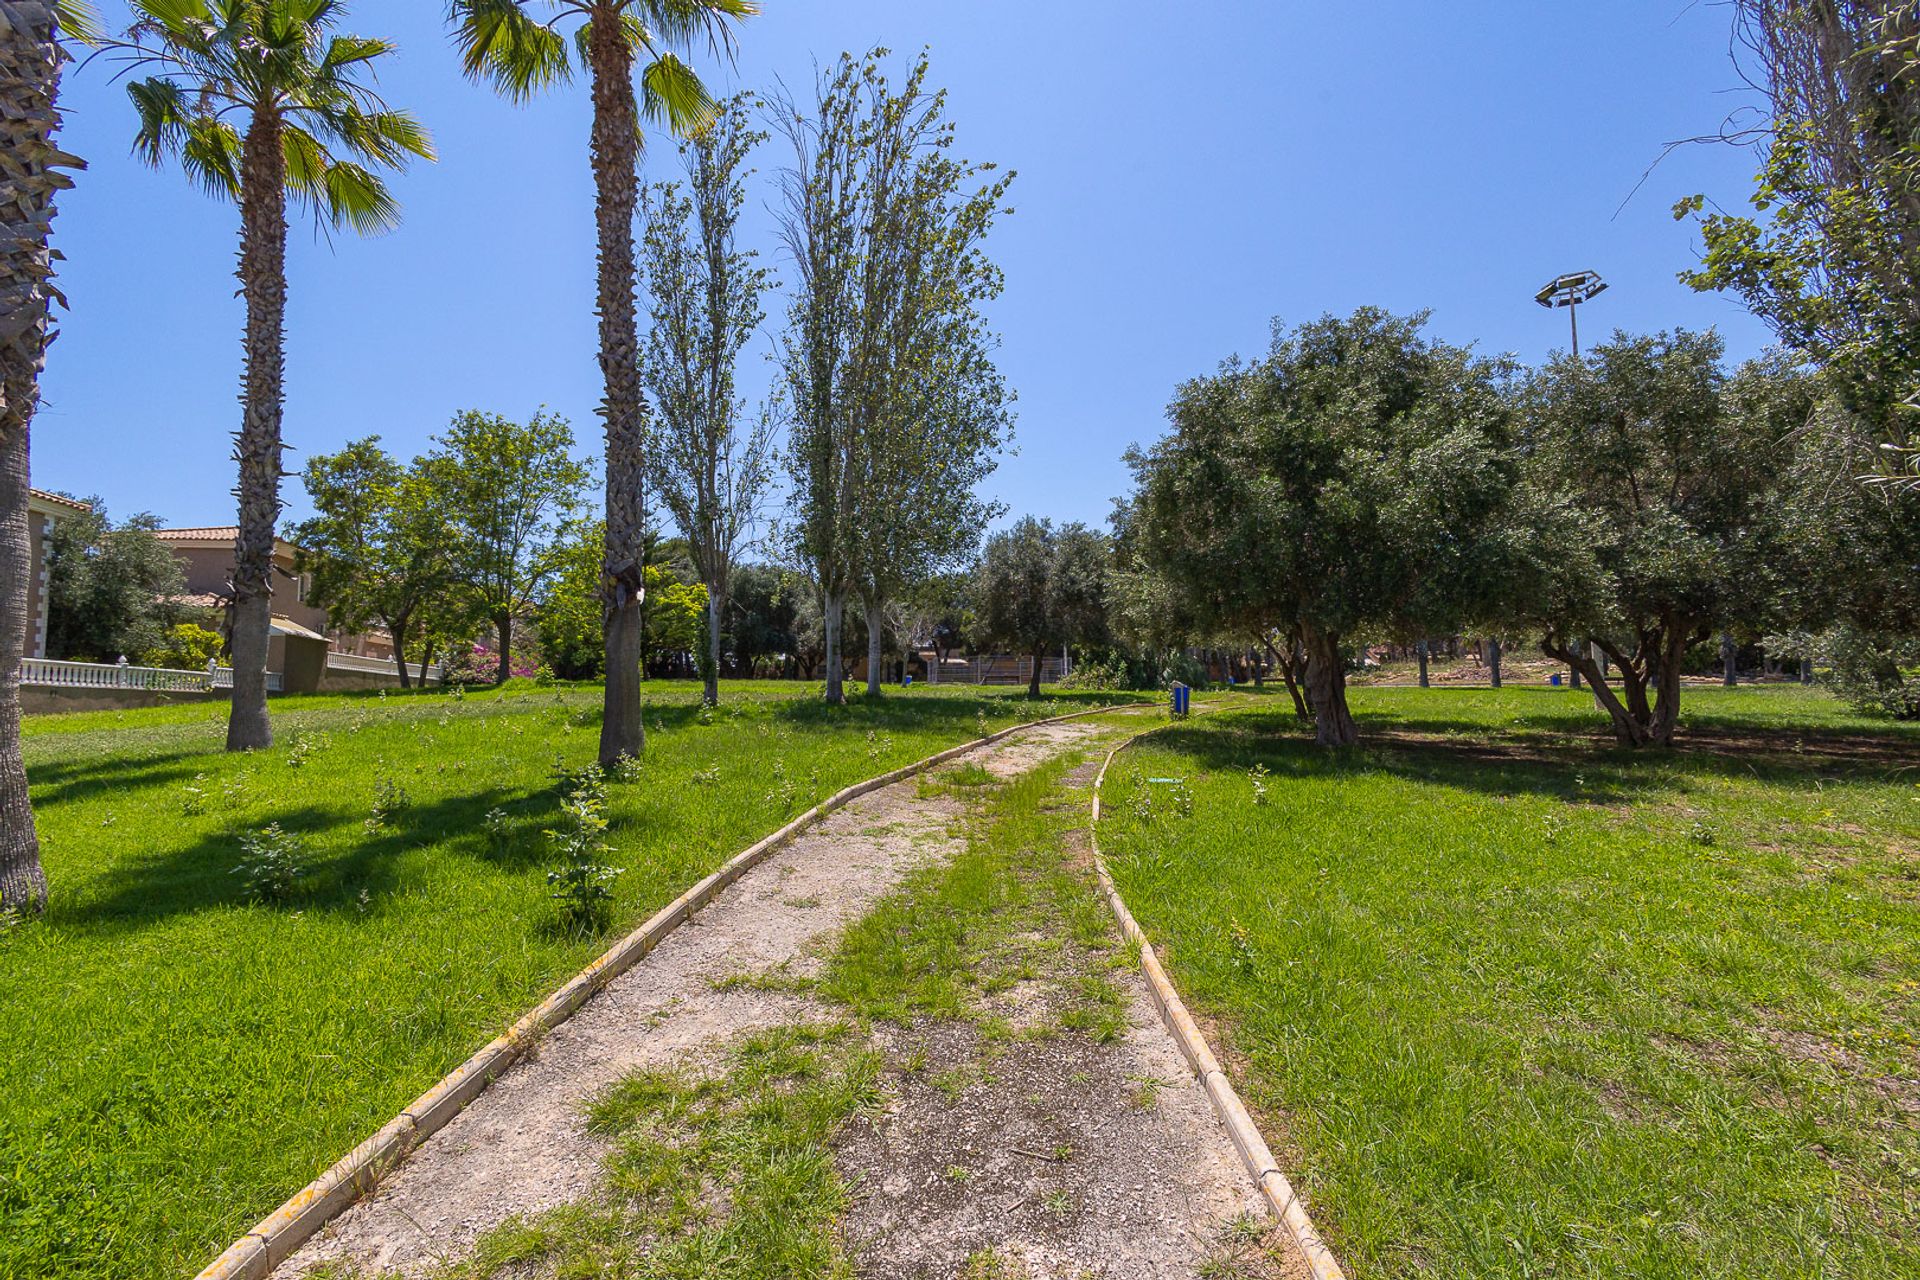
(1180, 696)
(1555, 679)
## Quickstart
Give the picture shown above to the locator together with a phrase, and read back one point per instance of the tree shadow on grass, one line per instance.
(67, 782)
(1576, 767)
(200, 876)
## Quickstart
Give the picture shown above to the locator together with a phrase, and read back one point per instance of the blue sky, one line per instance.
(1186, 173)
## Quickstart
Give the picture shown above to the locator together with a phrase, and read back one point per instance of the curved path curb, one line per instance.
(1253, 1150)
(254, 1255)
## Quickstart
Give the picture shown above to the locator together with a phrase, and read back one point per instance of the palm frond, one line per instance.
(234, 61)
(77, 20)
(501, 43)
(672, 94)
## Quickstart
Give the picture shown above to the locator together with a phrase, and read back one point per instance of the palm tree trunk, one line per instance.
(30, 61)
(22, 884)
(616, 179)
(263, 282)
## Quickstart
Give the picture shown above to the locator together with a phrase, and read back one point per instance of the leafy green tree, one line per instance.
(521, 47)
(760, 616)
(1652, 481)
(380, 546)
(1354, 480)
(34, 40)
(112, 592)
(709, 473)
(1040, 588)
(260, 101)
(510, 491)
(898, 411)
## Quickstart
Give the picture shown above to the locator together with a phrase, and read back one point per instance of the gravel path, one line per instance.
(1153, 1188)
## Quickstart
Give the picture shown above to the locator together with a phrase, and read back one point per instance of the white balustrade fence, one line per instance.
(101, 675)
(377, 666)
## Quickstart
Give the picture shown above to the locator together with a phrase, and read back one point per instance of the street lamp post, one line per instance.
(1570, 291)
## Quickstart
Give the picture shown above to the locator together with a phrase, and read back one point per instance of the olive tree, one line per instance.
(1356, 478)
(1039, 587)
(1652, 486)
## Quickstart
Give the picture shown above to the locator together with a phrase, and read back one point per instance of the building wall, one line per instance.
(38, 534)
(208, 570)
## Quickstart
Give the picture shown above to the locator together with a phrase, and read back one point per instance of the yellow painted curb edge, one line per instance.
(1247, 1141)
(254, 1255)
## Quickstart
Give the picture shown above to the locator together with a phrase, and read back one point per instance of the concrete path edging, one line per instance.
(1259, 1161)
(270, 1242)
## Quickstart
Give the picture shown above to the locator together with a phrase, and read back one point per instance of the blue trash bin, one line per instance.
(1181, 694)
(1554, 679)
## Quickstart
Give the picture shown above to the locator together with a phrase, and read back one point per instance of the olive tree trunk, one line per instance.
(30, 62)
(616, 184)
(1493, 660)
(1033, 677)
(1420, 651)
(1327, 689)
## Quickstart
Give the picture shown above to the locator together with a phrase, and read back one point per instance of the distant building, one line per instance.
(44, 511)
(206, 558)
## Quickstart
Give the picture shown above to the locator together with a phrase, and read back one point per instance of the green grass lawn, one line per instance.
(1513, 1002)
(176, 1060)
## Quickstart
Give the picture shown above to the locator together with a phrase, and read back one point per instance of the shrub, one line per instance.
(272, 862)
(1104, 675)
(188, 647)
(1879, 675)
(583, 884)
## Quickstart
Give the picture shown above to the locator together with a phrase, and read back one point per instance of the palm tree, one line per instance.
(258, 101)
(518, 46)
(32, 51)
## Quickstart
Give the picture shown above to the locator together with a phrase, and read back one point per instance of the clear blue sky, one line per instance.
(1185, 173)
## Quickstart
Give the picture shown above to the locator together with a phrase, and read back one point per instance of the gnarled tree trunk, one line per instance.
(616, 183)
(1333, 724)
(1033, 676)
(30, 61)
(263, 282)
(1493, 660)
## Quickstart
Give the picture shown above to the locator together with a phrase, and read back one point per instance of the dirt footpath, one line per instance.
(1081, 1160)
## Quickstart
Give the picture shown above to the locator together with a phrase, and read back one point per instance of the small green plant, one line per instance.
(583, 883)
(303, 748)
(272, 863)
(390, 800)
(1258, 775)
(1240, 946)
(706, 777)
(193, 797)
(1701, 834)
(499, 830)
(626, 770)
